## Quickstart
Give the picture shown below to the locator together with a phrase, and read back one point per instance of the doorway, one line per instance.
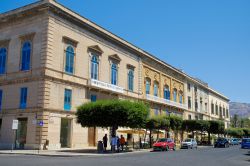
(92, 136)
(65, 134)
(21, 133)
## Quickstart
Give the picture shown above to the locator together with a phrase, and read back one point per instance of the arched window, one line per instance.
(166, 92)
(130, 80)
(69, 65)
(175, 95)
(114, 74)
(3, 54)
(156, 88)
(94, 67)
(147, 86)
(181, 98)
(26, 53)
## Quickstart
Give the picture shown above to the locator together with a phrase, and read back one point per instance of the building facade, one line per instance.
(52, 60)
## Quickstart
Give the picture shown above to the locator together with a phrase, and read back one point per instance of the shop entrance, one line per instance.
(65, 134)
(21, 133)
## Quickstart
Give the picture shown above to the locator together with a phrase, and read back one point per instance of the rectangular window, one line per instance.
(1, 98)
(189, 102)
(196, 105)
(212, 108)
(205, 107)
(93, 98)
(189, 117)
(227, 112)
(3, 56)
(189, 87)
(216, 110)
(224, 114)
(23, 98)
(67, 99)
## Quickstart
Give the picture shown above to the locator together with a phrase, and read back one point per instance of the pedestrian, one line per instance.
(105, 142)
(118, 143)
(122, 142)
(113, 143)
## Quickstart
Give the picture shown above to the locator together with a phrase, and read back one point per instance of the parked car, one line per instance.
(189, 143)
(245, 143)
(221, 142)
(234, 141)
(164, 144)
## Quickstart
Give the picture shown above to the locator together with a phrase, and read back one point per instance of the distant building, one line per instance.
(53, 60)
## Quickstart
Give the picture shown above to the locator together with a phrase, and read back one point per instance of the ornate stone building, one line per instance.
(53, 60)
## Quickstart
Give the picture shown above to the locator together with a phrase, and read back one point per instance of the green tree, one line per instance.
(112, 113)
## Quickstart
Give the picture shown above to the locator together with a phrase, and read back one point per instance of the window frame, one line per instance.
(23, 97)
(67, 97)
(114, 73)
(5, 59)
(131, 80)
(69, 54)
(30, 56)
(94, 64)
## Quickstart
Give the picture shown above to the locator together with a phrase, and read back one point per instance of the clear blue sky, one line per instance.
(208, 39)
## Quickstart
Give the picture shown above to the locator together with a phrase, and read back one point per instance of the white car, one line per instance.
(189, 143)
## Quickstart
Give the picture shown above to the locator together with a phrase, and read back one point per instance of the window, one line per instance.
(69, 65)
(156, 89)
(216, 109)
(93, 98)
(23, 98)
(189, 87)
(1, 98)
(166, 92)
(212, 108)
(189, 117)
(227, 112)
(205, 107)
(26, 53)
(224, 114)
(220, 111)
(94, 67)
(189, 102)
(195, 89)
(3, 54)
(181, 98)
(67, 99)
(196, 105)
(175, 95)
(201, 104)
(147, 86)
(114, 74)
(131, 80)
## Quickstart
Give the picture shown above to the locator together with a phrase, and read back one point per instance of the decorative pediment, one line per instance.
(129, 66)
(95, 48)
(115, 57)
(68, 40)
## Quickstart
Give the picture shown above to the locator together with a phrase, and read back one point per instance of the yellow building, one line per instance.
(54, 60)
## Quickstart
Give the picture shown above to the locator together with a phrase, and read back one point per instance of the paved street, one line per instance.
(232, 156)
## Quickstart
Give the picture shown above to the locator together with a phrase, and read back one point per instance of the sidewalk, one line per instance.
(69, 152)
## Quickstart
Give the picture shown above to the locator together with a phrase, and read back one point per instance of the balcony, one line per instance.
(106, 86)
(165, 101)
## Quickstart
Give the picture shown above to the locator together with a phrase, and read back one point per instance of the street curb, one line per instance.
(75, 155)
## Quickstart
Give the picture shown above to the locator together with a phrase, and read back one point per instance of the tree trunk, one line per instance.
(209, 138)
(158, 133)
(145, 138)
(150, 138)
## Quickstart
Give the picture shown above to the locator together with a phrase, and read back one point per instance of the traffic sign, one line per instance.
(41, 123)
(15, 124)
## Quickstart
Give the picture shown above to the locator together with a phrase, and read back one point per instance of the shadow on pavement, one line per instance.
(94, 151)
